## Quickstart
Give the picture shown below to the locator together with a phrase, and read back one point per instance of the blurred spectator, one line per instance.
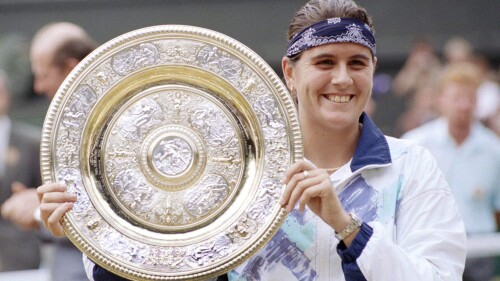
(457, 50)
(420, 110)
(19, 166)
(494, 123)
(469, 155)
(14, 60)
(421, 66)
(416, 82)
(488, 94)
(55, 50)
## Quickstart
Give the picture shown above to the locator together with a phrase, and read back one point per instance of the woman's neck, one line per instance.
(330, 149)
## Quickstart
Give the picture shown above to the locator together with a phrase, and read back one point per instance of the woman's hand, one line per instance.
(311, 186)
(54, 203)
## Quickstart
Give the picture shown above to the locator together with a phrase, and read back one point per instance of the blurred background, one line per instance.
(415, 39)
(259, 24)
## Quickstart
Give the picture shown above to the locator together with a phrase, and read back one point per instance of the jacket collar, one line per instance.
(372, 148)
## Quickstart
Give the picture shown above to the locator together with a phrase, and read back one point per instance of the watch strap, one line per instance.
(354, 224)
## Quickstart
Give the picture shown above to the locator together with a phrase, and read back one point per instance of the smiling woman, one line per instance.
(361, 205)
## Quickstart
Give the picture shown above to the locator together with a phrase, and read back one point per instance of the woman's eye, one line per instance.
(358, 62)
(325, 62)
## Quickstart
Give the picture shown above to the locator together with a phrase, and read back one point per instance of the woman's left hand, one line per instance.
(312, 187)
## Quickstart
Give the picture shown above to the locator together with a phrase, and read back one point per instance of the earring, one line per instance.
(293, 92)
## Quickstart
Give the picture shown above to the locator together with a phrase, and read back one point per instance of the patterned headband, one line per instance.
(333, 30)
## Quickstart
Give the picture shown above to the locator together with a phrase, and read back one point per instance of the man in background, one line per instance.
(55, 50)
(19, 166)
(469, 155)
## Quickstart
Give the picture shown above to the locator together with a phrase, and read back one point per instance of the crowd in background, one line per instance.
(418, 79)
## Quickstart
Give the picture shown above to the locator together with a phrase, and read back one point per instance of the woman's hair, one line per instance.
(317, 10)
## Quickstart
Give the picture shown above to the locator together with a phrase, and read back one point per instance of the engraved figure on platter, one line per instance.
(133, 192)
(72, 117)
(72, 179)
(270, 117)
(139, 119)
(212, 124)
(168, 210)
(102, 78)
(68, 153)
(212, 190)
(242, 230)
(173, 257)
(144, 55)
(267, 195)
(85, 98)
(179, 54)
(144, 116)
(179, 99)
(120, 246)
(215, 60)
(172, 156)
(211, 251)
(248, 81)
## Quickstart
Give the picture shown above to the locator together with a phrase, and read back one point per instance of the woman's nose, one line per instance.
(341, 76)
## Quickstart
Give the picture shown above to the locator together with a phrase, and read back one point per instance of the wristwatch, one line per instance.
(353, 225)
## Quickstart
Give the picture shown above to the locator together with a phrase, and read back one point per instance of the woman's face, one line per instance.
(333, 83)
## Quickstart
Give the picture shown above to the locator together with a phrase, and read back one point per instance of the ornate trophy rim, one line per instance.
(97, 217)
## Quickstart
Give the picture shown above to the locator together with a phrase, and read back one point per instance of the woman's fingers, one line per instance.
(58, 197)
(301, 189)
(297, 167)
(53, 221)
(308, 187)
(50, 187)
(299, 171)
(54, 203)
(296, 186)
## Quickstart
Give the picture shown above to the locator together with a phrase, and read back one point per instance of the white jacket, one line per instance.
(412, 229)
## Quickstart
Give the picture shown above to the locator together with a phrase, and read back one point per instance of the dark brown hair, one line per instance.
(317, 10)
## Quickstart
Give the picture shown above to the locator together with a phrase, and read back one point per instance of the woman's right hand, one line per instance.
(54, 203)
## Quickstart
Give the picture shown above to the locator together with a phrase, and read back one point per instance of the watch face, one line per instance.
(175, 140)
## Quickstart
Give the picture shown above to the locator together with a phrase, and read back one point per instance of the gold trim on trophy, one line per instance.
(175, 140)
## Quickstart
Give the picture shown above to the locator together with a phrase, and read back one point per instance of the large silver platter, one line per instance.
(175, 140)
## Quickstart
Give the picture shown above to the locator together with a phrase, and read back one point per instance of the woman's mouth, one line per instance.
(339, 98)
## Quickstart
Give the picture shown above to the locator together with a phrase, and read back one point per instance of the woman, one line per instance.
(362, 206)
(408, 226)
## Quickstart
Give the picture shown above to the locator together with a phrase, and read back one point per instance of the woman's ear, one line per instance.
(287, 67)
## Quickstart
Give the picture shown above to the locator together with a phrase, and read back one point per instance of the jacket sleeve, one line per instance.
(349, 255)
(429, 241)
(97, 273)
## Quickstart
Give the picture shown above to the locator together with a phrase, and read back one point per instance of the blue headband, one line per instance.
(333, 30)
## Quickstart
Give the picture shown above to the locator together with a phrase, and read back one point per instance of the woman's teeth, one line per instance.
(339, 99)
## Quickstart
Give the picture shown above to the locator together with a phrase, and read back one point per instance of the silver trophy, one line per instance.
(175, 140)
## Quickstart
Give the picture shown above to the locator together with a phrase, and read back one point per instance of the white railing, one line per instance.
(483, 245)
